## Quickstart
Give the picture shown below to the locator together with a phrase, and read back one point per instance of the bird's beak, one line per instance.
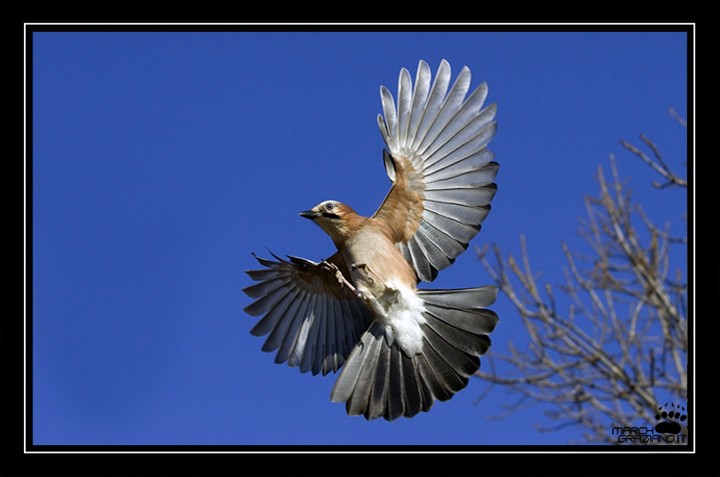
(309, 214)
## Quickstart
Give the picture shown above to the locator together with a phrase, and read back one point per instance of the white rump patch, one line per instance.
(402, 316)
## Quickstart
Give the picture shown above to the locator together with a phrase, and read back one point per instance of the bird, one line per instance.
(399, 347)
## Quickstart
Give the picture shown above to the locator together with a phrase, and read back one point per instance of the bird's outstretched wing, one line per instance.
(313, 321)
(441, 169)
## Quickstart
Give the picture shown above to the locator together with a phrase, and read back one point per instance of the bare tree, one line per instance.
(624, 334)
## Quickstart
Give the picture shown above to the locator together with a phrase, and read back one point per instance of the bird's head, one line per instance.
(335, 218)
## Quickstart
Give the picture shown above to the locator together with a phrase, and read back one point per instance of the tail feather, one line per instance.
(476, 345)
(443, 371)
(379, 379)
(463, 364)
(416, 395)
(431, 379)
(478, 297)
(355, 381)
(396, 385)
(380, 392)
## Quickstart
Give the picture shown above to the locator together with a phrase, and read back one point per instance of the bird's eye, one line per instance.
(330, 206)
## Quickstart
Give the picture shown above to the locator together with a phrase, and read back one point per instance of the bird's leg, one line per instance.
(368, 270)
(341, 278)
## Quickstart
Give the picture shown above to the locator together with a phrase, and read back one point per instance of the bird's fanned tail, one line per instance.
(380, 380)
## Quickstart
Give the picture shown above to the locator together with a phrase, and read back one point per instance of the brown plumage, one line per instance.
(400, 347)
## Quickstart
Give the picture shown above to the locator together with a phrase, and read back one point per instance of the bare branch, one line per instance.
(625, 332)
(660, 167)
(675, 115)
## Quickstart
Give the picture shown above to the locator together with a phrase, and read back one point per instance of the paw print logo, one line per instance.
(670, 427)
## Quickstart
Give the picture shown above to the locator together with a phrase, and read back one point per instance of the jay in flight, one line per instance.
(400, 347)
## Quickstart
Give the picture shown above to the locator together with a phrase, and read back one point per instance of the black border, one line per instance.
(103, 460)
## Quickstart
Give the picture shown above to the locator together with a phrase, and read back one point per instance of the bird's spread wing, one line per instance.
(313, 321)
(441, 169)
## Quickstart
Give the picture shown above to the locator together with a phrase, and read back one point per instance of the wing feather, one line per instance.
(404, 105)
(277, 335)
(313, 322)
(312, 346)
(420, 95)
(467, 142)
(440, 127)
(292, 334)
(442, 172)
(435, 100)
(273, 316)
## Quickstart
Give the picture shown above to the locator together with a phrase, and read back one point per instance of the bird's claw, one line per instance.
(364, 268)
(331, 267)
(368, 271)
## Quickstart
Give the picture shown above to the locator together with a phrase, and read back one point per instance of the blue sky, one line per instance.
(162, 160)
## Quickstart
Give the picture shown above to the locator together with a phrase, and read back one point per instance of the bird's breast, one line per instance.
(373, 260)
(387, 281)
